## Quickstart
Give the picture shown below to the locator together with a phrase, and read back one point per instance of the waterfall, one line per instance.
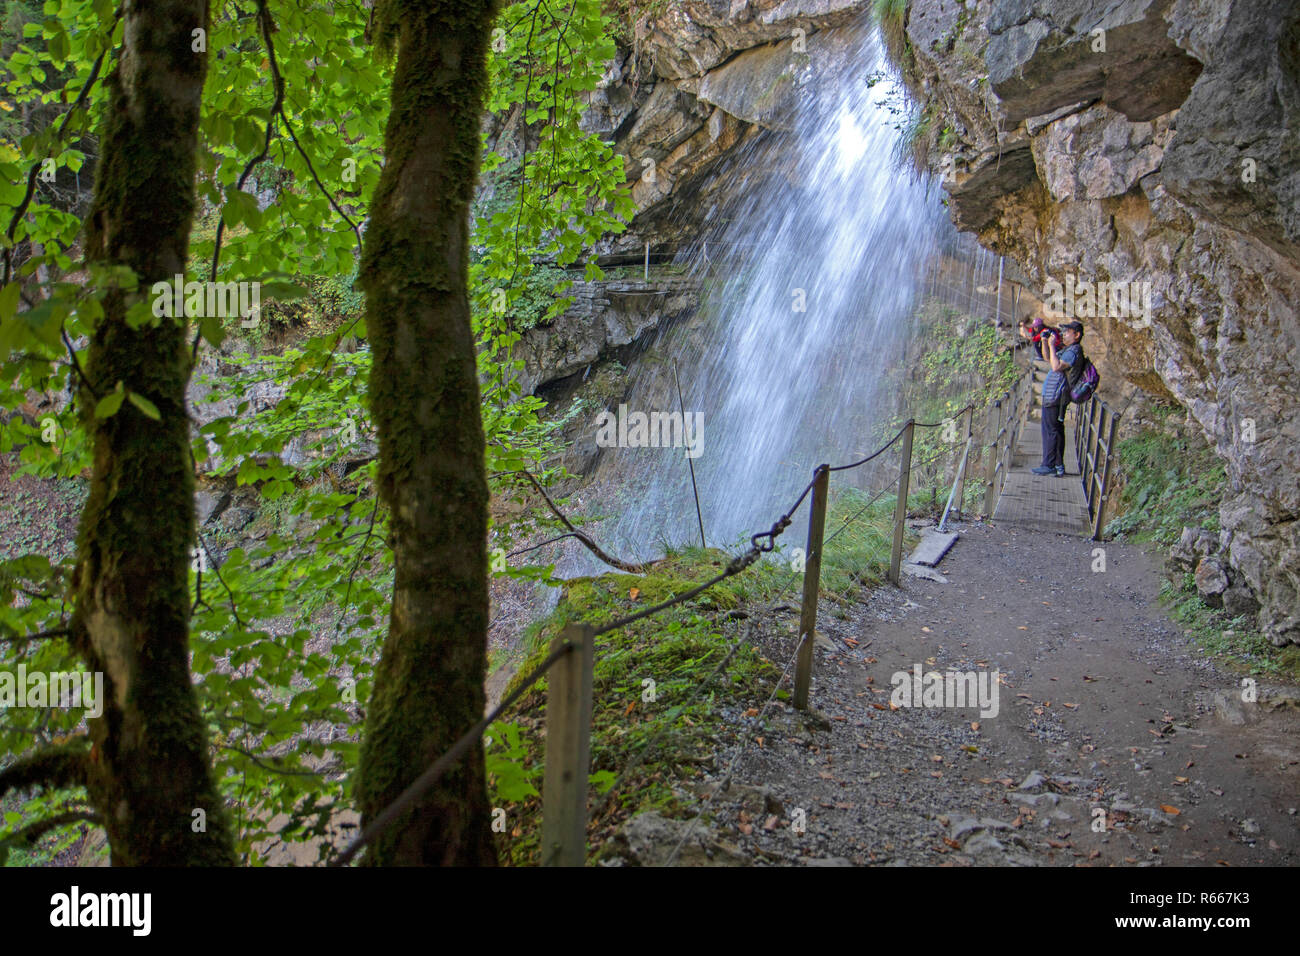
(814, 267)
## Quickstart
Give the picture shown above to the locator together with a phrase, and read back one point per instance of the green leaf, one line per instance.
(107, 406)
(59, 45)
(146, 407)
(9, 301)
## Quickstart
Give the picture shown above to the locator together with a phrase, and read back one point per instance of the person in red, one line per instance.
(1038, 332)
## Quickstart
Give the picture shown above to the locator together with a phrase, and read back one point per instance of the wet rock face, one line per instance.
(605, 317)
(1153, 142)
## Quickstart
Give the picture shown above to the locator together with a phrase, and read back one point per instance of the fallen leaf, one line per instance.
(629, 708)
(1022, 627)
(937, 758)
(634, 594)
(746, 828)
(975, 725)
(1179, 781)
(879, 706)
(925, 630)
(752, 712)
(1071, 706)
(771, 823)
(952, 843)
(1025, 696)
(1094, 854)
(1171, 810)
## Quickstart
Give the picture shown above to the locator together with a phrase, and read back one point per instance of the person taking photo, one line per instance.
(1065, 366)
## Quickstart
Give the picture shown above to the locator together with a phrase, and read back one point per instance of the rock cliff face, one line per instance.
(1152, 146)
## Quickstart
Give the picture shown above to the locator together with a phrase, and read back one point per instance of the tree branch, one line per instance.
(30, 834)
(39, 635)
(51, 768)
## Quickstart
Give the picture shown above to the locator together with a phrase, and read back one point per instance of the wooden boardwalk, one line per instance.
(1042, 502)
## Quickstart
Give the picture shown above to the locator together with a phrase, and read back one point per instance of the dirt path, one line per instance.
(1106, 714)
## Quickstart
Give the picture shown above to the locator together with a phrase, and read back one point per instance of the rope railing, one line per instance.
(570, 698)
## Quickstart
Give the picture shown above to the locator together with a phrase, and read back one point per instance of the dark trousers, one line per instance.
(1053, 427)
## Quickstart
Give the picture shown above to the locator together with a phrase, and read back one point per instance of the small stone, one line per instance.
(1034, 781)
(983, 843)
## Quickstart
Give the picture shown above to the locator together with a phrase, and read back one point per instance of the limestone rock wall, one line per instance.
(1154, 142)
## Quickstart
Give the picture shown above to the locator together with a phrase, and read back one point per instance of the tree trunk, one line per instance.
(424, 397)
(148, 770)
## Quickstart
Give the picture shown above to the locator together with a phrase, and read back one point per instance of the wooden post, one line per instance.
(900, 510)
(1105, 479)
(811, 581)
(961, 487)
(1092, 449)
(991, 476)
(568, 750)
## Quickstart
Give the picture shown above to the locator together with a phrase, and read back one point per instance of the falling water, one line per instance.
(815, 266)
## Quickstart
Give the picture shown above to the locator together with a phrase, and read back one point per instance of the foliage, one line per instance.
(1236, 641)
(1167, 482)
(543, 62)
(287, 620)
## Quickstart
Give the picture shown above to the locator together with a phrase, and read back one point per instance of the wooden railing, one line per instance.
(1094, 444)
(1005, 417)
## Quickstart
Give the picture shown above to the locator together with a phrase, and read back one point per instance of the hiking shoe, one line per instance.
(1060, 473)
(1042, 470)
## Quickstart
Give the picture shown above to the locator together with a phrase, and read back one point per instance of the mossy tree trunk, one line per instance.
(148, 769)
(424, 397)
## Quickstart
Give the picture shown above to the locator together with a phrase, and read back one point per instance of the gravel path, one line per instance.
(1115, 742)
